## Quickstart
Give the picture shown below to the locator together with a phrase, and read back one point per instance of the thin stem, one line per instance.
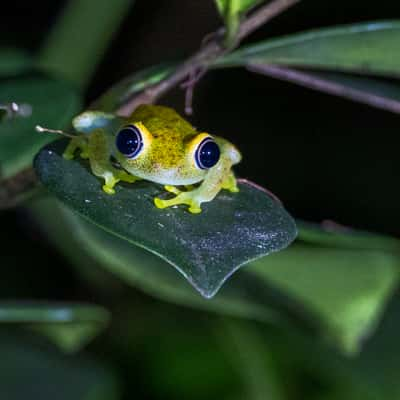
(209, 52)
(313, 82)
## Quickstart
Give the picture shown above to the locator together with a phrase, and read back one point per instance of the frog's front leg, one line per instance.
(218, 177)
(100, 164)
(78, 142)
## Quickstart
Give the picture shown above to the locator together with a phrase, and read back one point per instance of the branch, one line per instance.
(209, 52)
(313, 82)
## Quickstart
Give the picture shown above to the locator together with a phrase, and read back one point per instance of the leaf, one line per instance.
(14, 62)
(53, 104)
(330, 234)
(231, 11)
(345, 289)
(70, 326)
(29, 370)
(341, 291)
(207, 249)
(118, 94)
(367, 48)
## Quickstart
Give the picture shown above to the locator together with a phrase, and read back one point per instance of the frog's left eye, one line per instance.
(129, 141)
(207, 153)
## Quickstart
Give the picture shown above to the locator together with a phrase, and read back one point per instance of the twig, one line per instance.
(313, 82)
(209, 52)
(13, 189)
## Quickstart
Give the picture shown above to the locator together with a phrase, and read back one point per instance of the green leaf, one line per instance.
(70, 326)
(207, 249)
(231, 11)
(29, 370)
(341, 291)
(243, 296)
(330, 234)
(344, 289)
(369, 48)
(53, 104)
(14, 62)
(118, 94)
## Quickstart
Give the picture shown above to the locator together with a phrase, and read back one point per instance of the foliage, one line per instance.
(311, 304)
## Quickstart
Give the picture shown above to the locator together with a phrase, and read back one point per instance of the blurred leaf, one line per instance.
(231, 11)
(74, 53)
(118, 94)
(28, 370)
(251, 355)
(346, 290)
(250, 221)
(370, 48)
(13, 62)
(330, 234)
(340, 291)
(53, 104)
(70, 326)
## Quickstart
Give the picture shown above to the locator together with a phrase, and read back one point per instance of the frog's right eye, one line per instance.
(129, 141)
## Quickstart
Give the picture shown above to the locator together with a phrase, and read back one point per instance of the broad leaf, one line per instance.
(341, 291)
(330, 234)
(53, 104)
(70, 326)
(370, 48)
(207, 249)
(29, 370)
(345, 289)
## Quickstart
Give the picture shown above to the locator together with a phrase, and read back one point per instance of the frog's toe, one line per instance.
(172, 189)
(68, 156)
(182, 198)
(108, 189)
(125, 177)
(85, 154)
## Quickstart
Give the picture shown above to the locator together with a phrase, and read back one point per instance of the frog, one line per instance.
(156, 144)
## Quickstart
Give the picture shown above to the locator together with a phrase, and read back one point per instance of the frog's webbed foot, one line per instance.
(113, 176)
(76, 143)
(188, 198)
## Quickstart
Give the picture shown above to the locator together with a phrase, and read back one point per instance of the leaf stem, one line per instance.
(311, 81)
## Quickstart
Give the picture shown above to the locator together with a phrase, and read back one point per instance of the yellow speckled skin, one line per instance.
(169, 144)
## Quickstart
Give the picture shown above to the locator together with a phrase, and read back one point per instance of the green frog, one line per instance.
(156, 144)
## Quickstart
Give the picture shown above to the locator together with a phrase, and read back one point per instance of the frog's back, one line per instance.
(162, 121)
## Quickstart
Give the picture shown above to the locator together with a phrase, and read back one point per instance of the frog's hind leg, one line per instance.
(76, 143)
(100, 164)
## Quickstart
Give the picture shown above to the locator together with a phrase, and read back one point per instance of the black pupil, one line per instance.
(129, 141)
(208, 154)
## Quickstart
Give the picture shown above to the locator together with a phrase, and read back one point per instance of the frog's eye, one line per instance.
(129, 141)
(207, 153)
